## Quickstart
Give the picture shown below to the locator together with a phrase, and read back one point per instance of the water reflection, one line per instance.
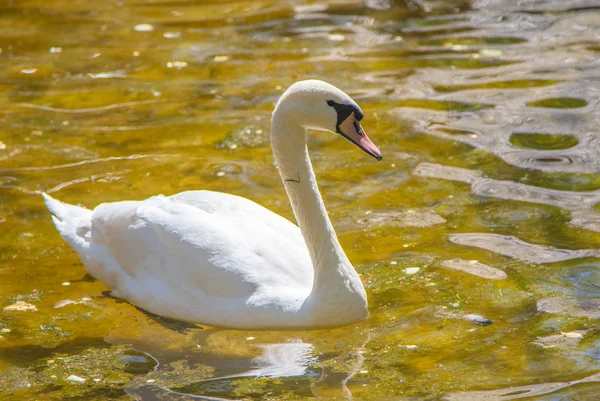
(581, 280)
(490, 104)
(515, 248)
(287, 360)
(580, 203)
(514, 393)
(205, 363)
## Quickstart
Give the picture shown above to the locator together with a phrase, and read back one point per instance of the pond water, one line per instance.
(477, 236)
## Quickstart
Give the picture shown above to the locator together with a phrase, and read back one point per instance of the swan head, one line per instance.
(317, 105)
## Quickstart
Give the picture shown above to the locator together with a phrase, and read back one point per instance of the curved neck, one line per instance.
(334, 274)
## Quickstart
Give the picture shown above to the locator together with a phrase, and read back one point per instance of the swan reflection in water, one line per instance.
(215, 364)
(294, 360)
(320, 368)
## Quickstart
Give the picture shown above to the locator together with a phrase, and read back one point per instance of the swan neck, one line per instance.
(334, 274)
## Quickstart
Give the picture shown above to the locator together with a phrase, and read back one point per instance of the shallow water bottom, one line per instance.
(477, 237)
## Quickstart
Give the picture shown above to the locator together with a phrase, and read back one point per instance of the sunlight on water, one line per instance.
(477, 236)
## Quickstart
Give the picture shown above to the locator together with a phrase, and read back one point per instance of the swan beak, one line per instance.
(351, 130)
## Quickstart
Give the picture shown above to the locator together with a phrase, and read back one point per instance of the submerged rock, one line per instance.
(475, 268)
(419, 218)
(568, 339)
(20, 306)
(589, 308)
(472, 317)
(63, 303)
(76, 379)
(412, 270)
(137, 362)
(478, 319)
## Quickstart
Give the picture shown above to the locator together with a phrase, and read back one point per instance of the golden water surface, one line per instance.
(477, 236)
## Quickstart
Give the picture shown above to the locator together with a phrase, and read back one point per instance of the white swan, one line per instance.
(222, 260)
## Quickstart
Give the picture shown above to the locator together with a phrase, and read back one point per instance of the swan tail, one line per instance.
(72, 222)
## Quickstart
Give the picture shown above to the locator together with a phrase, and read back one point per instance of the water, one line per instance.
(486, 113)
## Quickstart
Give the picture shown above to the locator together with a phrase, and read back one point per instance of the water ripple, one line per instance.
(475, 268)
(510, 190)
(580, 158)
(515, 248)
(580, 280)
(586, 307)
(91, 109)
(490, 85)
(580, 204)
(509, 216)
(546, 86)
(513, 393)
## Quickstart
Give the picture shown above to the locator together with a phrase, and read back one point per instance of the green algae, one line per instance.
(441, 105)
(543, 141)
(514, 84)
(474, 41)
(559, 103)
(100, 369)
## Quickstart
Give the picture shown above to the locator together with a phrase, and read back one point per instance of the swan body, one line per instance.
(223, 260)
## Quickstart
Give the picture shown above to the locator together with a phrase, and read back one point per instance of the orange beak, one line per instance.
(351, 130)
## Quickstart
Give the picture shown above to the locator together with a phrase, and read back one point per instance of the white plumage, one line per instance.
(223, 260)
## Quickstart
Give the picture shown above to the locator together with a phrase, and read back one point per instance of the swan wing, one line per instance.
(198, 247)
(226, 204)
